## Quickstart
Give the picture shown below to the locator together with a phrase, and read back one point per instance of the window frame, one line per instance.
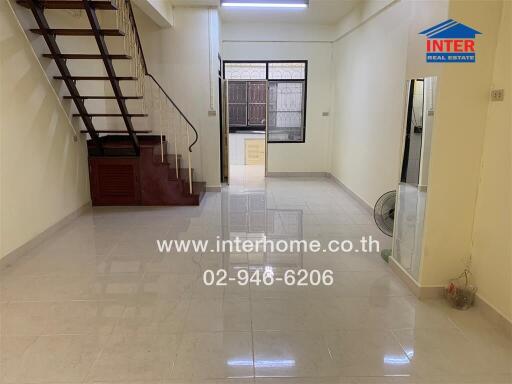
(305, 80)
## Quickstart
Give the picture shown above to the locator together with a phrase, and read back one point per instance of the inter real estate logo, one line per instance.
(450, 42)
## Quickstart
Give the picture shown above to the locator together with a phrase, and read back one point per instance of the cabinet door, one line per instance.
(114, 181)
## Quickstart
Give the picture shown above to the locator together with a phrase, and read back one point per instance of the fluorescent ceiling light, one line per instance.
(266, 3)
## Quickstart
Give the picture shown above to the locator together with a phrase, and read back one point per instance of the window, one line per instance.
(256, 95)
(286, 111)
(237, 103)
(245, 71)
(287, 91)
(283, 71)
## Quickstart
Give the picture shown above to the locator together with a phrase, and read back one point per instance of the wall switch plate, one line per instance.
(497, 95)
(212, 113)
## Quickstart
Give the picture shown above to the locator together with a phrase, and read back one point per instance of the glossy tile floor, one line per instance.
(97, 303)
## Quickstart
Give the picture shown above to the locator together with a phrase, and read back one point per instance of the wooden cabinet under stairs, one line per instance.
(140, 180)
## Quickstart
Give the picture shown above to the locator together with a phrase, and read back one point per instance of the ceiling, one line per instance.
(319, 12)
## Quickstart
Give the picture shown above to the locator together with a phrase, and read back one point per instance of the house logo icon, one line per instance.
(450, 42)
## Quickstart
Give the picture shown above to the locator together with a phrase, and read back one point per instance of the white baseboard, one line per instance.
(493, 314)
(14, 255)
(421, 292)
(434, 292)
(298, 174)
(363, 202)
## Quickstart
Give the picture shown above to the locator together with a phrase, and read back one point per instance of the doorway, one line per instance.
(245, 124)
(264, 102)
(247, 121)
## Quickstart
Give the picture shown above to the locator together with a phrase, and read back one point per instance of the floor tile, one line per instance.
(285, 315)
(226, 314)
(368, 353)
(59, 318)
(135, 356)
(214, 355)
(292, 354)
(62, 358)
(154, 316)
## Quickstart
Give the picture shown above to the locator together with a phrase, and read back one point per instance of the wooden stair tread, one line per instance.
(78, 32)
(112, 115)
(123, 140)
(114, 131)
(106, 78)
(71, 4)
(86, 56)
(105, 97)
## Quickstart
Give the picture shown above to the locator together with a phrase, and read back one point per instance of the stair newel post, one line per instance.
(189, 160)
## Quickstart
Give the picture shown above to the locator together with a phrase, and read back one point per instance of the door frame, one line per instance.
(224, 124)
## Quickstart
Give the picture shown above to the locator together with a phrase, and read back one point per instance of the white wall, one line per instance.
(43, 171)
(281, 42)
(371, 65)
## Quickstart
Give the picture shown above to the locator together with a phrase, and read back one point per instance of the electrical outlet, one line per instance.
(497, 95)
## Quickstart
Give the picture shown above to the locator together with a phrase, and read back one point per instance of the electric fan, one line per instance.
(384, 212)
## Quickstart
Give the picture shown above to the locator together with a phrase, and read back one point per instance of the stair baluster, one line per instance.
(176, 143)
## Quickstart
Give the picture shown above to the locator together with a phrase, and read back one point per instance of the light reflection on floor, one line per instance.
(97, 303)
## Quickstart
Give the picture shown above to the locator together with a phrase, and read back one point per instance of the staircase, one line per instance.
(127, 166)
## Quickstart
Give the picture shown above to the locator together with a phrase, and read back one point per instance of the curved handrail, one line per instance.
(179, 111)
(139, 46)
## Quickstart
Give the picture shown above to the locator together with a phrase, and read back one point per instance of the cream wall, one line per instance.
(375, 55)
(256, 41)
(468, 204)
(457, 145)
(43, 173)
(492, 252)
